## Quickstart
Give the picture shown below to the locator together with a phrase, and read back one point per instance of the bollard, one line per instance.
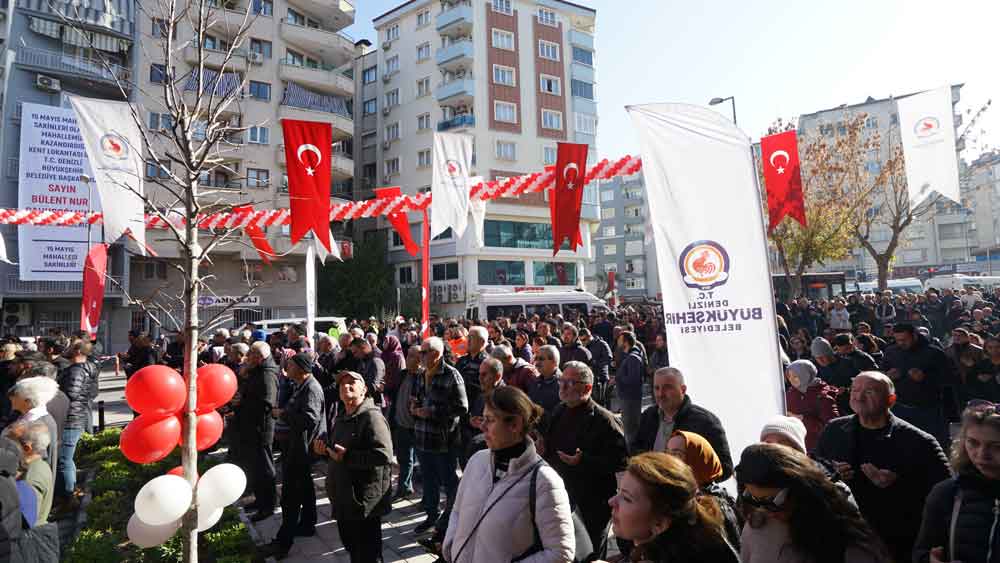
(100, 416)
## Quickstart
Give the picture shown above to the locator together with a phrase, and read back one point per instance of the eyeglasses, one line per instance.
(770, 504)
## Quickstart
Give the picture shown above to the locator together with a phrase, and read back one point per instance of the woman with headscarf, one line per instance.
(694, 450)
(809, 399)
(395, 362)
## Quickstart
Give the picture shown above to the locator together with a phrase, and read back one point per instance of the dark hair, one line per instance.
(868, 343)
(514, 403)
(960, 461)
(816, 503)
(843, 339)
(628, 337)
(905, 327)
(360, 342)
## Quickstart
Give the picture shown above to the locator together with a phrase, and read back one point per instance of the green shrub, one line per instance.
(94, 546)
(92, 442)
(108, 511)
(113, 476)
(232, 540)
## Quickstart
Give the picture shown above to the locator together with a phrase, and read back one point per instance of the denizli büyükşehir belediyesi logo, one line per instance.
(926, 127)
(704, 265)
(113, 146)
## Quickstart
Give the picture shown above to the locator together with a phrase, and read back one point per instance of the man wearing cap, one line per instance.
(303, 414)
(255, 426)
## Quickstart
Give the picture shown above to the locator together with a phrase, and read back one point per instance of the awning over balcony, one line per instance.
(114, 15)
(77, 37)
(228, 82)
(299, 97)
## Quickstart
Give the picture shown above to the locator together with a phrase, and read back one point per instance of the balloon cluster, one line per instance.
(158, 394)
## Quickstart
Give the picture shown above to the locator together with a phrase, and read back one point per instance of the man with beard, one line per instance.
(919, 371)
(570, 349)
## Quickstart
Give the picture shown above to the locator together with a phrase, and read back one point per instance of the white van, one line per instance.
(961, 281)
(897, 286)
(323, 324)
(488, 306)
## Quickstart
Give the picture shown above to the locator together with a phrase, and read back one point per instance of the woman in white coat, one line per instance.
(492, 519)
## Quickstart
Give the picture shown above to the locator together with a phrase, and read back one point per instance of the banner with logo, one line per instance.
(927, 130)
(713, 264)
(450, 183)
(114, 147)
(51, 170)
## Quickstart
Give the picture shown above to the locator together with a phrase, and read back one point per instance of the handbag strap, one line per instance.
(956, 507)
(490, 507)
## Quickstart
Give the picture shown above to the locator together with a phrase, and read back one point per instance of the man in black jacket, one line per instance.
(919, 371)
(889, 464)
(675, 411)
(370, 367)
(585, 444)
(600, 354)
(255, 425)
(571, 349)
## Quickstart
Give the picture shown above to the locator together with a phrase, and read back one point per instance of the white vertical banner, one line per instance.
(311, 290)
(114, 148)
(927, 131)
(477, 215)
(713, 265)
(450, 183)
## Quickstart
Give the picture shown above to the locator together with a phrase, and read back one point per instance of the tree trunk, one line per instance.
(795, 286)
(882, 262)
(189, 452)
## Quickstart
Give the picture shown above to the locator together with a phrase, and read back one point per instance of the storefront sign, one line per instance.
(223, 300)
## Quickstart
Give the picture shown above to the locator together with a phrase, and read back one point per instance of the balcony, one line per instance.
(3, 24)
(324, 79)
(458, 92)
(581, 39)
(578, 71)
(343, 126)
(455, 56)
(341, 164)
(336, 14)
(457, 122)
(215, 59)
(53, 62)
(456, 21)
(16, 287)
(331, 46)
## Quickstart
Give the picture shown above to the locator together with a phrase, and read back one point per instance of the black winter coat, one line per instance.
(360, 486)
(690, 418)
(977, 519)
(574, 353)
(258, 395)
(304, 414)
(10, 506)
(600, 354)
(75, 381)
(925, 357)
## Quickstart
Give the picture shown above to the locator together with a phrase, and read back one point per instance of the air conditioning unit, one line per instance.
(386, 78)
(16, 314)
(256, 58)
(386, 145)
(386, 110)
(47, 83)
(387, 45)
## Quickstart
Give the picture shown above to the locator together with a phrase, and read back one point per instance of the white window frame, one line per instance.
(503, 7)
(501, 69)
(633, 211)
(633, 248)
(392, 65)
(546, 152)
(424, 122)
(555, 80)
(392, 32)
(607, 195)
(497, 104)
(586, 123)
(607, 213)
(501, 150)
(608, 231)
(551, 113)
(254, 136)
(425, 16)
(635, 283)
(504, 35)
(425, 49)
(424, 82)
(547, 17)
(389, 129)
(544, 46)
(613, 249)
(253, 178)
(424, 158)
(392, 98)
(413, 278)
(392, 170)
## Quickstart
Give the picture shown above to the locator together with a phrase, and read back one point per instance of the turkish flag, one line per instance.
(782, 177)
(93, 288)
(567, 197)
(257, 236)
(399, 221)
(308, 150)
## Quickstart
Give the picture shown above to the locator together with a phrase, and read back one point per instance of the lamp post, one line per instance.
(717, 101)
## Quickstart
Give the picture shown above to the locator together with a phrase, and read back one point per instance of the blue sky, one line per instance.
(780, 59)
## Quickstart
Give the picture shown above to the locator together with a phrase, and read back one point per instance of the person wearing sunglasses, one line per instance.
(961, 519)
(794, 513)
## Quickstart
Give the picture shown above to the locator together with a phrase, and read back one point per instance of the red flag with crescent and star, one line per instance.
(308, 150)
(567, 196)
(257, 235)
(782, 177)
(399, 221)
(93, 288)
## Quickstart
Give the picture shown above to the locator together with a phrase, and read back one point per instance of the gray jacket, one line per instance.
(360, 486)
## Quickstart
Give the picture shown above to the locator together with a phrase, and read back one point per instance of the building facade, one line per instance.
(518, 77)
(984, 185)
(620, 244)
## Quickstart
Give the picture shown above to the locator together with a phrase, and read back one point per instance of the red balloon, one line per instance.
(179, 471)
(150, 438)
(216, 385)
(156, 390)
(207, 430)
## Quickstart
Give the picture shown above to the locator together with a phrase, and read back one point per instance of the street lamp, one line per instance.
(717, 101)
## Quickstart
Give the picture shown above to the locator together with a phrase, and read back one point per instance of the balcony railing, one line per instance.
(466, 120)
(59, 63)
(17, 287)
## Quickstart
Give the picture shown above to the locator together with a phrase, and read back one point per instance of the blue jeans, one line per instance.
(439, 469)
(404, 455)
(66, 467)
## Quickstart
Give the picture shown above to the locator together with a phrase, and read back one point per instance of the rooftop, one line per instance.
(409, 2)
(870, 100)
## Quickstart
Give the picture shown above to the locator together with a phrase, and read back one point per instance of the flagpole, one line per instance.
(425, 259)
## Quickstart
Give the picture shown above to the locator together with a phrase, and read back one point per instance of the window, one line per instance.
(826, 130)
(160, 27)
(503, 75)
(549, 155)
(506, 150)
(446, 271)
(392, 166)
(216, 44)
(607, 213)
(260, 90)
(635, 283)
(841, 128)
(261, 46)
(951, 232)
(633, 247)
(634, 229)
(502, 6)
(259, 135)
(894, 119)
(505, 112)
(550, 84)
(633, 211)
(392, 33)
(635, 265)
(423, 122)
(423, 18)
(424, 158)
(548, 50)
(405, 276)
(501, 272)
(582, 89)
(423, 87)
(392, 98)
(294, 58)
(159, 121)
(369, 75)
(610, 249)
(608, 231)
(611, 267)
(518, 234)
(607, 195)
(423, 52)
(263, 7)
(552, 119)
(583, 56)
(871, 123)
(555, 273)
(368, 140)
(586, 124)
(446, 234)
(157, 73)
(392, 65)
(547, 17)
(369, 107)
(154, 270)
(258, 178)
(503, 39)
(392, 132)
(154, 170)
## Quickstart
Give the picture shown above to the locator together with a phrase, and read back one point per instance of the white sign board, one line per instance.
(52, 161)
(223, 300)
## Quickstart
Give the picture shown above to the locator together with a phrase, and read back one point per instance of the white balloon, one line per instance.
(163, 500)
(208, 517)
(221, 486)
(145, 535)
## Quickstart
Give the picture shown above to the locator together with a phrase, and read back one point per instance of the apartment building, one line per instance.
(519, 77)
(984, 187)
(620, 244)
